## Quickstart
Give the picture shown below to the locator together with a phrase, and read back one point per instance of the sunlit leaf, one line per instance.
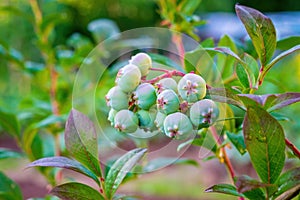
(288, 42)
(277, 59)
(264, 138)
(242, 76)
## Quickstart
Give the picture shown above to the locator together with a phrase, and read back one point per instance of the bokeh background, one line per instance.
(24, 84)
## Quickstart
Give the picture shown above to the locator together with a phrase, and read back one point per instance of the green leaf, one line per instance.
(277, 59)
(204, 140)
(264, 138)
(261, 31)
(242, 76)
(159, 163)
(288, 42)
(102, 29)
(188, 7)
(76, 191)
(120, 168)
(225, 95)
(226, 63)
(164, 60)
(237, 140)
(242, 63)
(10, 123)
(270, 102)
(250, 187)
(81, 140)
(225, 189)
(208, 43)
(288, 184)
(252, 67)
(9, 190)
(7, 153)
(66, 163)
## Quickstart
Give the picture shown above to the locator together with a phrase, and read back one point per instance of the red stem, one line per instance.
(290, 145)
(167, 74)
(225, 158)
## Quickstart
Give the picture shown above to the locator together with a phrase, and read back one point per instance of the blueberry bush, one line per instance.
(186, 99)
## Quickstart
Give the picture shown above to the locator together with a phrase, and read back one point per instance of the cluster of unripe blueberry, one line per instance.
(177, 109)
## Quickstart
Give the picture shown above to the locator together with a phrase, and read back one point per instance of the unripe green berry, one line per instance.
(117, 99)
(145, 96)
(126, 121)
(146, 119)
(111, 116)
(178, 126)
(128, 78)
(166, 83)
(159, 121)
(192, 87)
(168, 102)
(143, 62)
(204, 113)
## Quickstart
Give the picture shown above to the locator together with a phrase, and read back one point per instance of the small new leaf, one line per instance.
(225, 189)
(120, 168)
(76, 191)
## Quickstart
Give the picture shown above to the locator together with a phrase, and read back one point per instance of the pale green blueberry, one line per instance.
(178, 125)
(159, 121)
(111, 116)
(204, 113)
(143, 62)
(128, 78)
(126, 121)
(117, 99)
(192, 87)
(145, 96)
(166, 83)
(146, 119)
(168, 102)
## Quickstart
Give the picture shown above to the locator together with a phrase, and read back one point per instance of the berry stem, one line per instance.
(167, 74)
(290, 145)
(224, 157)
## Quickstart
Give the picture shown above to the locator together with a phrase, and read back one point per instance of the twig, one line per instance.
(167, 74)
(223, 153)
(290, 145)
(177, 39)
